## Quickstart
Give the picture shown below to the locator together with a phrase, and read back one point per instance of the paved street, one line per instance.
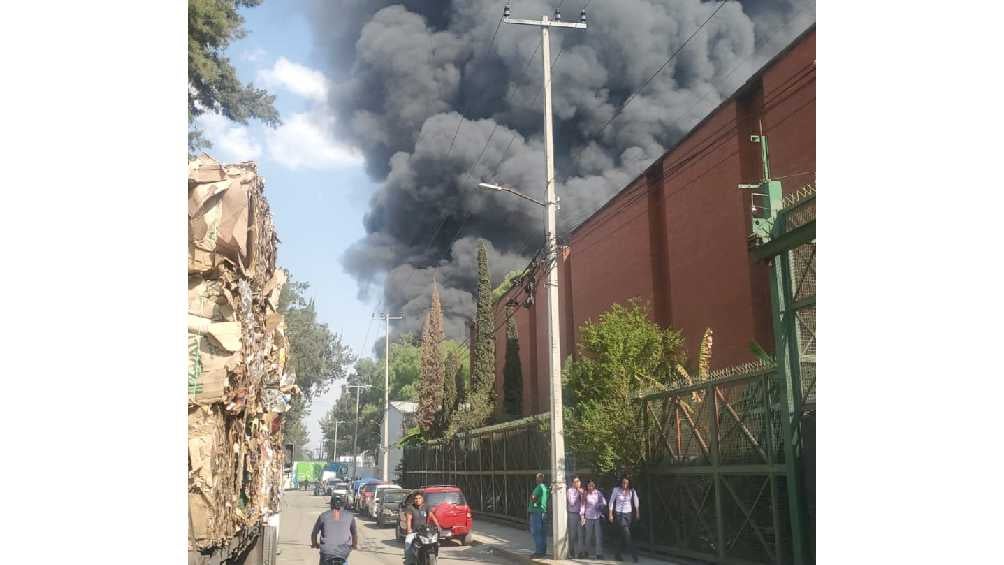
(376, 546)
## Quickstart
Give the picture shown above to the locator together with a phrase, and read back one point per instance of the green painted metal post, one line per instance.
(782, 355)
(715, 474)
(772, 476)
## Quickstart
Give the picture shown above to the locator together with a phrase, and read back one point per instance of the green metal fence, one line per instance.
(495, 466)
(791, 251)
(717, 469)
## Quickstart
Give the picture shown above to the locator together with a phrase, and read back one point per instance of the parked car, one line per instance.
(338, 487)
(365, 495)
(389, 507)
(371, 504)
(357, 487)
(451, 510)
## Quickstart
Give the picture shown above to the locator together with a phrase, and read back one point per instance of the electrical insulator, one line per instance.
(505, 11)
(582, 16)
(557, 15)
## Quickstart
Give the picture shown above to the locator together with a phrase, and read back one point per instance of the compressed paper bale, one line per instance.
(274, 288)
(202, 197)
(226, 334)
(205, 169)
(233, 227)
(208, 367)
(201, 521)
(205, 428)
(208, 298)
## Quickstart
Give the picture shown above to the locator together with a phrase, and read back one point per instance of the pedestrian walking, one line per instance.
(337, 528)
(576, 528)
(624, 507)
(538, 506)
(594, 507)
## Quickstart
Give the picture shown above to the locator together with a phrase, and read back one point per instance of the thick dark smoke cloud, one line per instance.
(406, 73)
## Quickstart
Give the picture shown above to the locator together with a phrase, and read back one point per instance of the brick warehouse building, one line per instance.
(676, 236)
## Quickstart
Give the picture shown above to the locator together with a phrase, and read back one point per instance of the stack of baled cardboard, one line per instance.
(238, 388)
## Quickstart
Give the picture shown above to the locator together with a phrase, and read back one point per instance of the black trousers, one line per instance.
(622, 522)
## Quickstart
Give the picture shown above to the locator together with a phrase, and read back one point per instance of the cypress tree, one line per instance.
(430, 402)
(452, 368)
(512, 372)
(483, 368)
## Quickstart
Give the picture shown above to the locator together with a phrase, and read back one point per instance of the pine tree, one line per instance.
(512, 372)
(430, 401)
(483, 368)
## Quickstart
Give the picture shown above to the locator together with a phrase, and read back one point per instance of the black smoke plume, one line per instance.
(407, 74)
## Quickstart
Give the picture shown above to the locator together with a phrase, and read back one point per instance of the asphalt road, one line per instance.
(376, 546)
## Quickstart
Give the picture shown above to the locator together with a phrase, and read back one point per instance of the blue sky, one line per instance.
(316, 186)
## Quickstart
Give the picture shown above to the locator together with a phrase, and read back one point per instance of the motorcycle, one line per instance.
(426, 545)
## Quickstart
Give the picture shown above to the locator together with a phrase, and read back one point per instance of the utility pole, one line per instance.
(355, 434)
(385, 437)
(551, 204)
(334, 454)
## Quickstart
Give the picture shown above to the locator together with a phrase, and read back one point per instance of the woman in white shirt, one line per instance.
(624, 507)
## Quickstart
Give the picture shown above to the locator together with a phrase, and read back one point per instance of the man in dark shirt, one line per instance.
(416, 515)
(338, 533)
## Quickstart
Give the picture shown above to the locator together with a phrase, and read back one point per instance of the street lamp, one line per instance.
(554, 356)
(355, 434)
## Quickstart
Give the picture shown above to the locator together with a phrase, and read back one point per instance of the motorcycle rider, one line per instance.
(338, 533)
(415, 516)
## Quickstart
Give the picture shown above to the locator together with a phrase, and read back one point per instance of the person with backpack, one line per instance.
(624, 505)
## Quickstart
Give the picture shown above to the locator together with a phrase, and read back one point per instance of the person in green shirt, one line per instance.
(538, 507)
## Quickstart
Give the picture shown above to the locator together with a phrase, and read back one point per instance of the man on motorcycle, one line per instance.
(338, 533)
(416, 515)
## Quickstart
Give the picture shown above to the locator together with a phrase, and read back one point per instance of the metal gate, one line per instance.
(494, 466)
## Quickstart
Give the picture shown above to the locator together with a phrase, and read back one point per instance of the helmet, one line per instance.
(337, 501)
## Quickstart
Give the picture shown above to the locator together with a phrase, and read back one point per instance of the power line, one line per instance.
(631, 98)
(460, 121)
(505, 153)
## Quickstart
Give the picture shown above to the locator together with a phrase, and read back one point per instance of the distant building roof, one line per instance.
(405, 407)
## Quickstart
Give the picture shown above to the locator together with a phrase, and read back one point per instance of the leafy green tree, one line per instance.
(316, 355)
(212, 80)
(294, 431)
(621, 355)
(512, 371)
(505, 285)
(483, 369)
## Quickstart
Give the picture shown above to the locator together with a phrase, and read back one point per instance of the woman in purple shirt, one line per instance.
(624, 505)
(593, 509)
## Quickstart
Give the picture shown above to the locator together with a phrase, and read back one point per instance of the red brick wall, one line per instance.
(676, 237)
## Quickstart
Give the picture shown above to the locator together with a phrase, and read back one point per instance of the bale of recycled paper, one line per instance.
(208, 298)
(209, 365)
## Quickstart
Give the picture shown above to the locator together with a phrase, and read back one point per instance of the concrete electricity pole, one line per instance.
(355, 434)
(385, 438)
(334, 454)
(551, 203)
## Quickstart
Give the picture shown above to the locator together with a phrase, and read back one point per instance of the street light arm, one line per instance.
(501, 188)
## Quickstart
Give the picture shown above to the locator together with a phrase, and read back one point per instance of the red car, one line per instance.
(447, 502)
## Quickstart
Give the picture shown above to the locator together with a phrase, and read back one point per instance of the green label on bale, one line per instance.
(194, 364)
